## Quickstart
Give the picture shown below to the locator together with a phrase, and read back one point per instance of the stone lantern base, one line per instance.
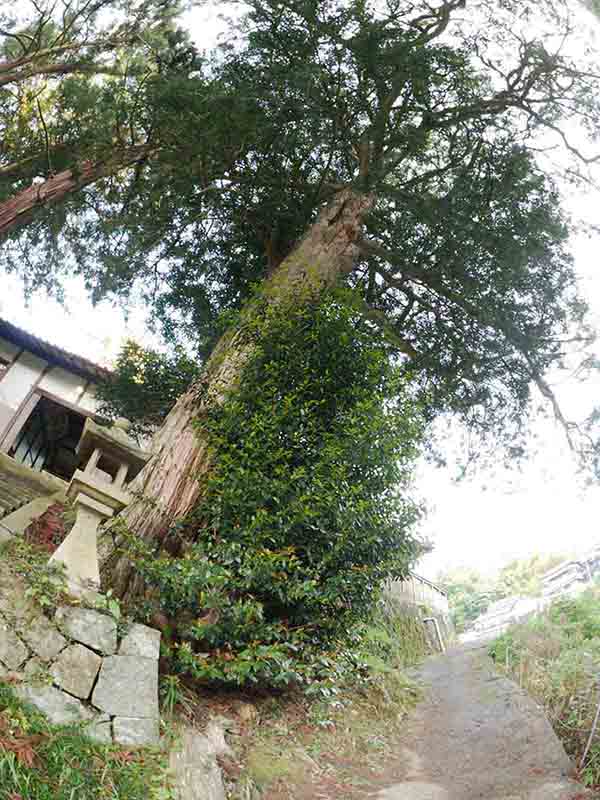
(79, 551)
(98, 492)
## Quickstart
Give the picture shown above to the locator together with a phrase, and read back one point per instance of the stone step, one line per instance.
(12, 490)
(13, 483)
(12, 496)
(9, 503)
(19, 486)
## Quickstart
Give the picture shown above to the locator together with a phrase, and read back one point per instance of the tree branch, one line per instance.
(512, 336)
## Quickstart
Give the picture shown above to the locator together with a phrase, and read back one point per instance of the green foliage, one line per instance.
(523, 576)
(470, 594)
(355, 710)
(437, 113)
(41, 762)
(556, 656)
(106, 602)
(394, 635)
(170, 692)
(46, 583)
(578, 619)
(306, 510)
(144, 386)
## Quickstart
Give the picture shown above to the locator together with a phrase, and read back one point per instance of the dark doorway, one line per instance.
(48, 439)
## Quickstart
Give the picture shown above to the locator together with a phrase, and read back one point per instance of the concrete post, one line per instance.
(94, 458)
(122, 475)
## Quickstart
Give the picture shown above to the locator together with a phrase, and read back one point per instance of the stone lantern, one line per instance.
(98, 491)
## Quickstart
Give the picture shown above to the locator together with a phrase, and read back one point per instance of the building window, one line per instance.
(49, 438)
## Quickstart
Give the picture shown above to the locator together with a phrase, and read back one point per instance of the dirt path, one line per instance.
(477, 736)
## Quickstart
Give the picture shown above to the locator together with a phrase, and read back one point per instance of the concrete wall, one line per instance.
(27, 375)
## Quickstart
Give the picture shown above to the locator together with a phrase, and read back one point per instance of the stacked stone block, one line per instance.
(75, 669)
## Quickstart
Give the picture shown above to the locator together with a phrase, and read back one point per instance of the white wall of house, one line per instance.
(17, 382)
(26, 376)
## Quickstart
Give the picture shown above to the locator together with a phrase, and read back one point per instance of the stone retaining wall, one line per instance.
(79, 667)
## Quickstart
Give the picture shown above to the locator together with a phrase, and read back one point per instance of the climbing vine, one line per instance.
(307, 509)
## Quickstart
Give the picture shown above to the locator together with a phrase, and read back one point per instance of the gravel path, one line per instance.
(477, 736)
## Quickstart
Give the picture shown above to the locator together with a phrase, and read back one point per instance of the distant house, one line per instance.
(46, 393)
(573, 576)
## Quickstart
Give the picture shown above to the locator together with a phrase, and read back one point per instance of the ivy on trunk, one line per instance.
(306, 509)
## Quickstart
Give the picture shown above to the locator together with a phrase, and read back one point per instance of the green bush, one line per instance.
(306, 511)
(144, 385)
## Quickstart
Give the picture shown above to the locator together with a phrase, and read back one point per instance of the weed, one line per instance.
(106, 602)
(556, 658)
(42, 762)
(46, 583)
(170, 692)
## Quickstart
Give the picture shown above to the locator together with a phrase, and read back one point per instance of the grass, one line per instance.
(39, 761)
(396, 634)
(556, 658)
(335, 737)
(299, 746)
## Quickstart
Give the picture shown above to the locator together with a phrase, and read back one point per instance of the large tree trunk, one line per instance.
(170, 484)
(17, 210)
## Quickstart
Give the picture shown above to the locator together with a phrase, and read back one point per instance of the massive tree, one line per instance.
(77, 85)
(400, 147)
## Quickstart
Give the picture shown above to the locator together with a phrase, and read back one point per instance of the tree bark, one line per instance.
(58, 69)
(172, 481)
(16, 212)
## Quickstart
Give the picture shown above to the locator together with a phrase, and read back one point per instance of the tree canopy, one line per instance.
(188, 176)
(144, 385)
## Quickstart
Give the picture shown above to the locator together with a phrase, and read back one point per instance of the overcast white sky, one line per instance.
(544, 508)
(482, 523)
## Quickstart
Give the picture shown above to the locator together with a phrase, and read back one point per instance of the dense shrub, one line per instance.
(144, 385)
(307, 508)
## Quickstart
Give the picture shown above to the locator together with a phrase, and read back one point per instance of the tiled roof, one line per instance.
(52, 354)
